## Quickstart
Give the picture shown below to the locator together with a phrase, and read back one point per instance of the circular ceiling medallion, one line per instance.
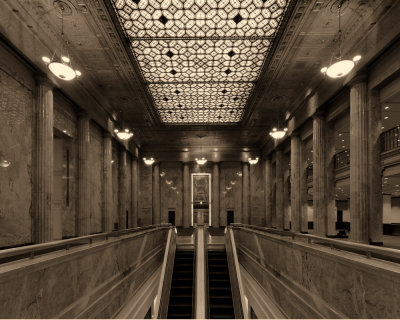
(63, 6)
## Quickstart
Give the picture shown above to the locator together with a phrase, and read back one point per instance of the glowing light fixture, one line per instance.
(340, 68)
(61, 66)
(202, 160)
(278, 134)
(253, 160)
(4, 163)
(149, 161)
(124, 135)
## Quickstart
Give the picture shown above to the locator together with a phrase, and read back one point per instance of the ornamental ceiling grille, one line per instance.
(200, 59)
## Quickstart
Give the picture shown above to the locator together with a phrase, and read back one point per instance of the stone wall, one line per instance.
(16, 141)
(312, 281)
(85, 282)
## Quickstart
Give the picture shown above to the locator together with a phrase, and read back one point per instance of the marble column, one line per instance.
(359, 194)
(279, 212)
(303, 189)
(122, 189)
(215, 197)
(186, 196)
(330, 176)
(268, 192)
(295, 178)
(319, 174)
(42, 231)
(83, 218)
(245, 193)
(135, 193)
(156, 194)
(374, 169)
(107, 181)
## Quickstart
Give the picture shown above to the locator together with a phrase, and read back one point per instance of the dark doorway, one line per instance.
(171, 217)
(229, 217)
(126, 223)
(339, 216)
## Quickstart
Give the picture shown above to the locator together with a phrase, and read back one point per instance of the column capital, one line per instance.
(107, 134)
(42, 79)
(295, 133)
(82, 114)
(319, 114)
(358, 78)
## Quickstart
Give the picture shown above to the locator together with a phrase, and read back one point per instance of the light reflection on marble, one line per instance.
(313, 281)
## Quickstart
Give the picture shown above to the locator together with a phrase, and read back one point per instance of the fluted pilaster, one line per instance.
(186, 196)
(122, 190)
(280, 209)
(319, 172)
(245, 193)
(359, 202)
(107, 181)
(156, 194)
(374, 169)
(215, 197)
(268, 192)
(83, 217)
(135, 193)
(44, 161)
(295, 180)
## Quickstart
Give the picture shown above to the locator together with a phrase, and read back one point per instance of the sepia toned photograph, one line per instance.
(199, 159)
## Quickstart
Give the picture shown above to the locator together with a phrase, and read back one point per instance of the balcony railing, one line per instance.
(342, 159)
(390, 139)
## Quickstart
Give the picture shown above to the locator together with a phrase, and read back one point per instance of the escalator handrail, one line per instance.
(66, 244)
(162, 298)
(242, 314)
(369, 251)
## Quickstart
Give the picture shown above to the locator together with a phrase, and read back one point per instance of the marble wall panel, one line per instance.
(16, 141)
(230, 184)
(96, 178)
(145, 195)
(65, 121)
(171, 181)
(327, 283)
(115, 182)
(81, 283)
(256, 194)
(128, 188)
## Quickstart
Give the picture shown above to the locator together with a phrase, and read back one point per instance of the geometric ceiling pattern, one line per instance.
(200, 58)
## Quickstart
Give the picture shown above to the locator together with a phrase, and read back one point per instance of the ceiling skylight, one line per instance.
(200, 59)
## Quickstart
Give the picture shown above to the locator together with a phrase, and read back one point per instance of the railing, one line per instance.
(200, 274)
(239, 303)
(342, 159)
(161, 305)
(31, 251)
(390, 139)
(369, 251)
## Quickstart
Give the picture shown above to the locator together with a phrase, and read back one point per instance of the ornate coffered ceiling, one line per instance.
(200, 59)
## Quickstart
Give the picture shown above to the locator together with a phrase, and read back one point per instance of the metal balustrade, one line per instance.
(31, 251)
(390, 139)
(342, 159)
(367, 250)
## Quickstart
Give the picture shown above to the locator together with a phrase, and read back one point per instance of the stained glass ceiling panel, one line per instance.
(200, 59)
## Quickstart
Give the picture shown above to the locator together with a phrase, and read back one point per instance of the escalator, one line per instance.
(181, 295)
(220, 294)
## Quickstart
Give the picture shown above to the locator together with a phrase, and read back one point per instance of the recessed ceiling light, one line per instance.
(387, 107)
(386, 117)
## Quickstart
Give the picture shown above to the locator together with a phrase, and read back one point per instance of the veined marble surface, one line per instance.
(16, 118)
(256, 194)
(88, 281)
(314, 281)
